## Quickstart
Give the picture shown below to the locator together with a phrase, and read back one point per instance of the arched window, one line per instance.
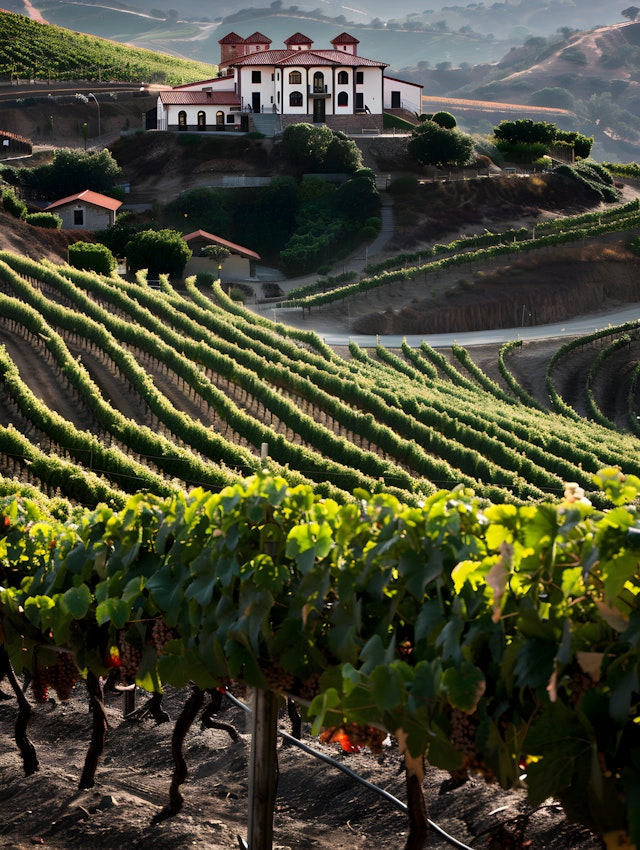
(202, 121)
(220, 120)
(182, 120)
(295, 98)
(318, 82)
(343, 78)
(295, 78)
(343, 98)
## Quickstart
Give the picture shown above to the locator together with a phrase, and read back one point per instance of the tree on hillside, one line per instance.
(581, 144)
(158, 251)
(122, 232)
(200, 209)
(553, 96)
(430, 144)
(303, 144)
(218, 253)
(524, 130)
(72, 171)
(320, 149)
(633, 12)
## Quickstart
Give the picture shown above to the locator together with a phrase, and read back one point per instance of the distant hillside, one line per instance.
(41, 51)
(594, 74)
(465, 35)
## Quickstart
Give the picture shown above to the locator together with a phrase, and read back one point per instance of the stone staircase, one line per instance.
(267, 123)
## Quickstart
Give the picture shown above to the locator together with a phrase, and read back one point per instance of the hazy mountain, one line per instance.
(469, 33)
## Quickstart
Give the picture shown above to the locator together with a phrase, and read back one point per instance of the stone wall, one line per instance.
(345, 123)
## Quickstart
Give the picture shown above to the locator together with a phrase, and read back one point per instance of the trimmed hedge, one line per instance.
(92, 257)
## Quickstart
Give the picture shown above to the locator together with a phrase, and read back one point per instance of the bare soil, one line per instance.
(317, 806)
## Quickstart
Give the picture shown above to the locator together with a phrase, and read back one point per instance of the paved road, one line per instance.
(574, 327)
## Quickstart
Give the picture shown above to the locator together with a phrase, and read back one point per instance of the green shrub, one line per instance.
(574, 54)
(581, 144)
(159, 251)
(12, 204)
(92, 256)
(522, 152)
(374, 222)
(592, 175)
(444, 119)
(44, 219)
(236, 294)
(634, 245)
(366, 234)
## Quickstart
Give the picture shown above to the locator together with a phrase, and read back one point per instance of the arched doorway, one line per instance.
(219, 120)
(202, 120)
(182, 120)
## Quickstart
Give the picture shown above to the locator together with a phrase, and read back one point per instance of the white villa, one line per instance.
(295, 84)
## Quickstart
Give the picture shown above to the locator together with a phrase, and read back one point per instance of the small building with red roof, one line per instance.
(239, 265)
(86, 210)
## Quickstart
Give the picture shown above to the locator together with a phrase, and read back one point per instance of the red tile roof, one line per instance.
(307, 57)
(257, 38)
(89, 197)
(199, 98)
(344, 38)
(298, 38)
(210, 237)
(232, 38)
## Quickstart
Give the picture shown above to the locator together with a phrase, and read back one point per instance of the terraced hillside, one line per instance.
(111, 387)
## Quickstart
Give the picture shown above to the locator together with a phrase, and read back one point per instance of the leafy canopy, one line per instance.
(320, 149)
(158, 251)
(93, 257)
(433, 145)
(72, 171)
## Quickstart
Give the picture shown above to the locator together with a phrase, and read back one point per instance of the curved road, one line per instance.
(573, 327)
(578, 326)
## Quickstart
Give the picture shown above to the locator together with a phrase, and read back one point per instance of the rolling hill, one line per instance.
(34, 50)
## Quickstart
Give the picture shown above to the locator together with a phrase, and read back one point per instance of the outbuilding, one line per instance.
(239, 265)
(86, 211)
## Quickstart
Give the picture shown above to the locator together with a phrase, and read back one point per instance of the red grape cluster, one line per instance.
(161, 633)
(578, 683)
(61, 677)
(130, 658)
(463, 737)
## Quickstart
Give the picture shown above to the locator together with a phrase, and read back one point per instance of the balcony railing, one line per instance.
(319, 91)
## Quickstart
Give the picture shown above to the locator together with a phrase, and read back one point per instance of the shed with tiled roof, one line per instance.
(240, 265)
(86, 210)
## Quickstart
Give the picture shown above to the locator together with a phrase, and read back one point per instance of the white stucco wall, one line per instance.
(93, 218)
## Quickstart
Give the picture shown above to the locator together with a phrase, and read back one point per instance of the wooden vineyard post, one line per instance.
(263, 770)
(418, 821)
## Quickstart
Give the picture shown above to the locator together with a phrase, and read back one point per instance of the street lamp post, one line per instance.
(98, 105)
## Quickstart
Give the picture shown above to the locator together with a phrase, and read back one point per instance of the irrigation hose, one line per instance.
(387, 796)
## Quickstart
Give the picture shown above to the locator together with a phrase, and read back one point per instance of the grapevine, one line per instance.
(471, 632)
